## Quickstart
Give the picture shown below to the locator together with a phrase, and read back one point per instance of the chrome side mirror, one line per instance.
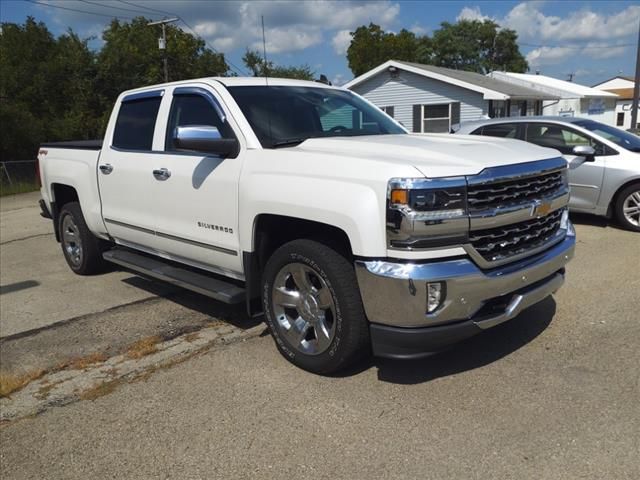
(586, 151)
(204, 138)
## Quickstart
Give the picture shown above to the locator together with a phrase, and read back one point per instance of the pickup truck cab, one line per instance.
(310, 204)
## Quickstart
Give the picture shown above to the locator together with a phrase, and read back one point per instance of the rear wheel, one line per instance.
(313, 307)
(82, 250)
(628, 207)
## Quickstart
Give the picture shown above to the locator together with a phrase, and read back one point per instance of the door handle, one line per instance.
(107, 168)
(161, 174)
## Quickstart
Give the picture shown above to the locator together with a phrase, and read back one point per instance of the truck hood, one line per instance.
(434, 155)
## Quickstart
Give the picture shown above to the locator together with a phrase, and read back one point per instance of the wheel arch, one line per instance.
(614, 198)
(61, 194)
(271, 231)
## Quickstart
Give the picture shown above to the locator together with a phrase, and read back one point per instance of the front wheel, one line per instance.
(628, 207)
(313, 307)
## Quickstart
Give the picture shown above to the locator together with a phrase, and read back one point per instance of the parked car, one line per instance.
(355, 234)
(604, 161)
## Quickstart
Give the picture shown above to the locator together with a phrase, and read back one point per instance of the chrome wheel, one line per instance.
(631, 208)
(71, 240)
(304, 308)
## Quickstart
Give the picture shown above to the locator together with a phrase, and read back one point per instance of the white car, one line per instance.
(352, 234)
(604, 161)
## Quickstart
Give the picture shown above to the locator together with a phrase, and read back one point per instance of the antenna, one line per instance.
(264, 51)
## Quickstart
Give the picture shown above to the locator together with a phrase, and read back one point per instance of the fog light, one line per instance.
(435, 296)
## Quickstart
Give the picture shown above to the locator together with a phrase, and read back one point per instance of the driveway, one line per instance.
(552, 394)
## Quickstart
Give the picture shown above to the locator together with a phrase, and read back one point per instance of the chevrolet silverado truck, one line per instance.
(309, 204)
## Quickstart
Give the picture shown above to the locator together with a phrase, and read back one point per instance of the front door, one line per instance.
(585, 177)
(197, 208)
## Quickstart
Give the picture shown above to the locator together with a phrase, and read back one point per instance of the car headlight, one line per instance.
(423, 213)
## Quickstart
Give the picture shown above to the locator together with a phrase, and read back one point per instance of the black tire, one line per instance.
(620, 205)
(349, 325)
(75, 233)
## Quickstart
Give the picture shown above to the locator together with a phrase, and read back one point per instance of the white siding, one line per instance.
(410, 89)
(576, 107)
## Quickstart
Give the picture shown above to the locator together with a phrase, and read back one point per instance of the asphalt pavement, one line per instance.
(551, 394)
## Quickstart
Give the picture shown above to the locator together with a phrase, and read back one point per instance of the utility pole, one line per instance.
(636, 89)
(162, 42)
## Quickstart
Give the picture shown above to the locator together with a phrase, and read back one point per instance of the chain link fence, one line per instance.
(18, 177)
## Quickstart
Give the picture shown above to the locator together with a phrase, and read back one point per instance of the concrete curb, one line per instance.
(68, 385)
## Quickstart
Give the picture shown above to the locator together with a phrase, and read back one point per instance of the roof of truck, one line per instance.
(262, 81)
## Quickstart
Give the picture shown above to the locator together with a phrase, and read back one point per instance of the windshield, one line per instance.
(621, 138)
(286, 116)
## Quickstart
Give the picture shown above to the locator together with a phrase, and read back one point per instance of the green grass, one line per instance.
(17, 187)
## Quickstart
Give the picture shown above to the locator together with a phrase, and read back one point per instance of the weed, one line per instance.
(143, 347)
(10, 383)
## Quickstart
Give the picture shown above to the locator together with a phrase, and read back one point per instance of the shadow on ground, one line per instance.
(235, 315)
(476, 352)
(593, 220)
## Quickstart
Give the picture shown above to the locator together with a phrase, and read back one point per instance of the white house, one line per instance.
(574, 100)
(623, 87)
(425, 98)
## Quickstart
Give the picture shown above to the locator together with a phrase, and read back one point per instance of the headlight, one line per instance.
(423, 213)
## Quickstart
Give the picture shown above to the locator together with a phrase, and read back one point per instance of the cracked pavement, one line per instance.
(551, 394)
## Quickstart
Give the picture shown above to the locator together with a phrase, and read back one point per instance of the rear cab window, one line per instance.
(136, 121)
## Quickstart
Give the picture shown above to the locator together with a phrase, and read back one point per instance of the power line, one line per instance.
(231, 64)
(233, 67)
(78, 11)
(577, 47)
(147, 8)
(237, 69)
(111, 6)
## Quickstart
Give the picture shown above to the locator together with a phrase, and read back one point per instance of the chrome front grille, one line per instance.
(499, 243)
(503, 194)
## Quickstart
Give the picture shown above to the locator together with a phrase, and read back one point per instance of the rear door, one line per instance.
(585, 177)
(128, 189)
(197, 204)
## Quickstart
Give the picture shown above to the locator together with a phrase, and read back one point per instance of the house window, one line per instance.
(439, 118)
(498, 108)
(620, 119)
(388, 110)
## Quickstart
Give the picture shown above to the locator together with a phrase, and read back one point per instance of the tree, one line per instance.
(55, 89)
(130, 58)
(46, 90)
(370, 46)
(256, 64)
(478, 46)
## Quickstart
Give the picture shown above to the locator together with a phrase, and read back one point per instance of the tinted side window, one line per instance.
(503, 130)
(135, 124)
(193, 109)
(560, 138)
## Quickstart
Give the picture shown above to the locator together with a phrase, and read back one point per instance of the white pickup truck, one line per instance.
(355, 235)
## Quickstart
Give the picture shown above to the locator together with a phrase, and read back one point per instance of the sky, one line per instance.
(592, 40)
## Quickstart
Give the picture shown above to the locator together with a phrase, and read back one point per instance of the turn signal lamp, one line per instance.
(400, 197)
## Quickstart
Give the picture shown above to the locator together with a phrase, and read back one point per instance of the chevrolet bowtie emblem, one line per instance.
(540, 209)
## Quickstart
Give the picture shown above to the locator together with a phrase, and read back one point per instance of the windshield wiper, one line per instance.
(289, 142)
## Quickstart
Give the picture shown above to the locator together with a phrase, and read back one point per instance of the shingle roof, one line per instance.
(515, 92)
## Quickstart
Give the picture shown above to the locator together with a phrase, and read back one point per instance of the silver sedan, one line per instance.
(604, 161)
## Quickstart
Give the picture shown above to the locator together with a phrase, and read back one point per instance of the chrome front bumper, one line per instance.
(395, 294)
